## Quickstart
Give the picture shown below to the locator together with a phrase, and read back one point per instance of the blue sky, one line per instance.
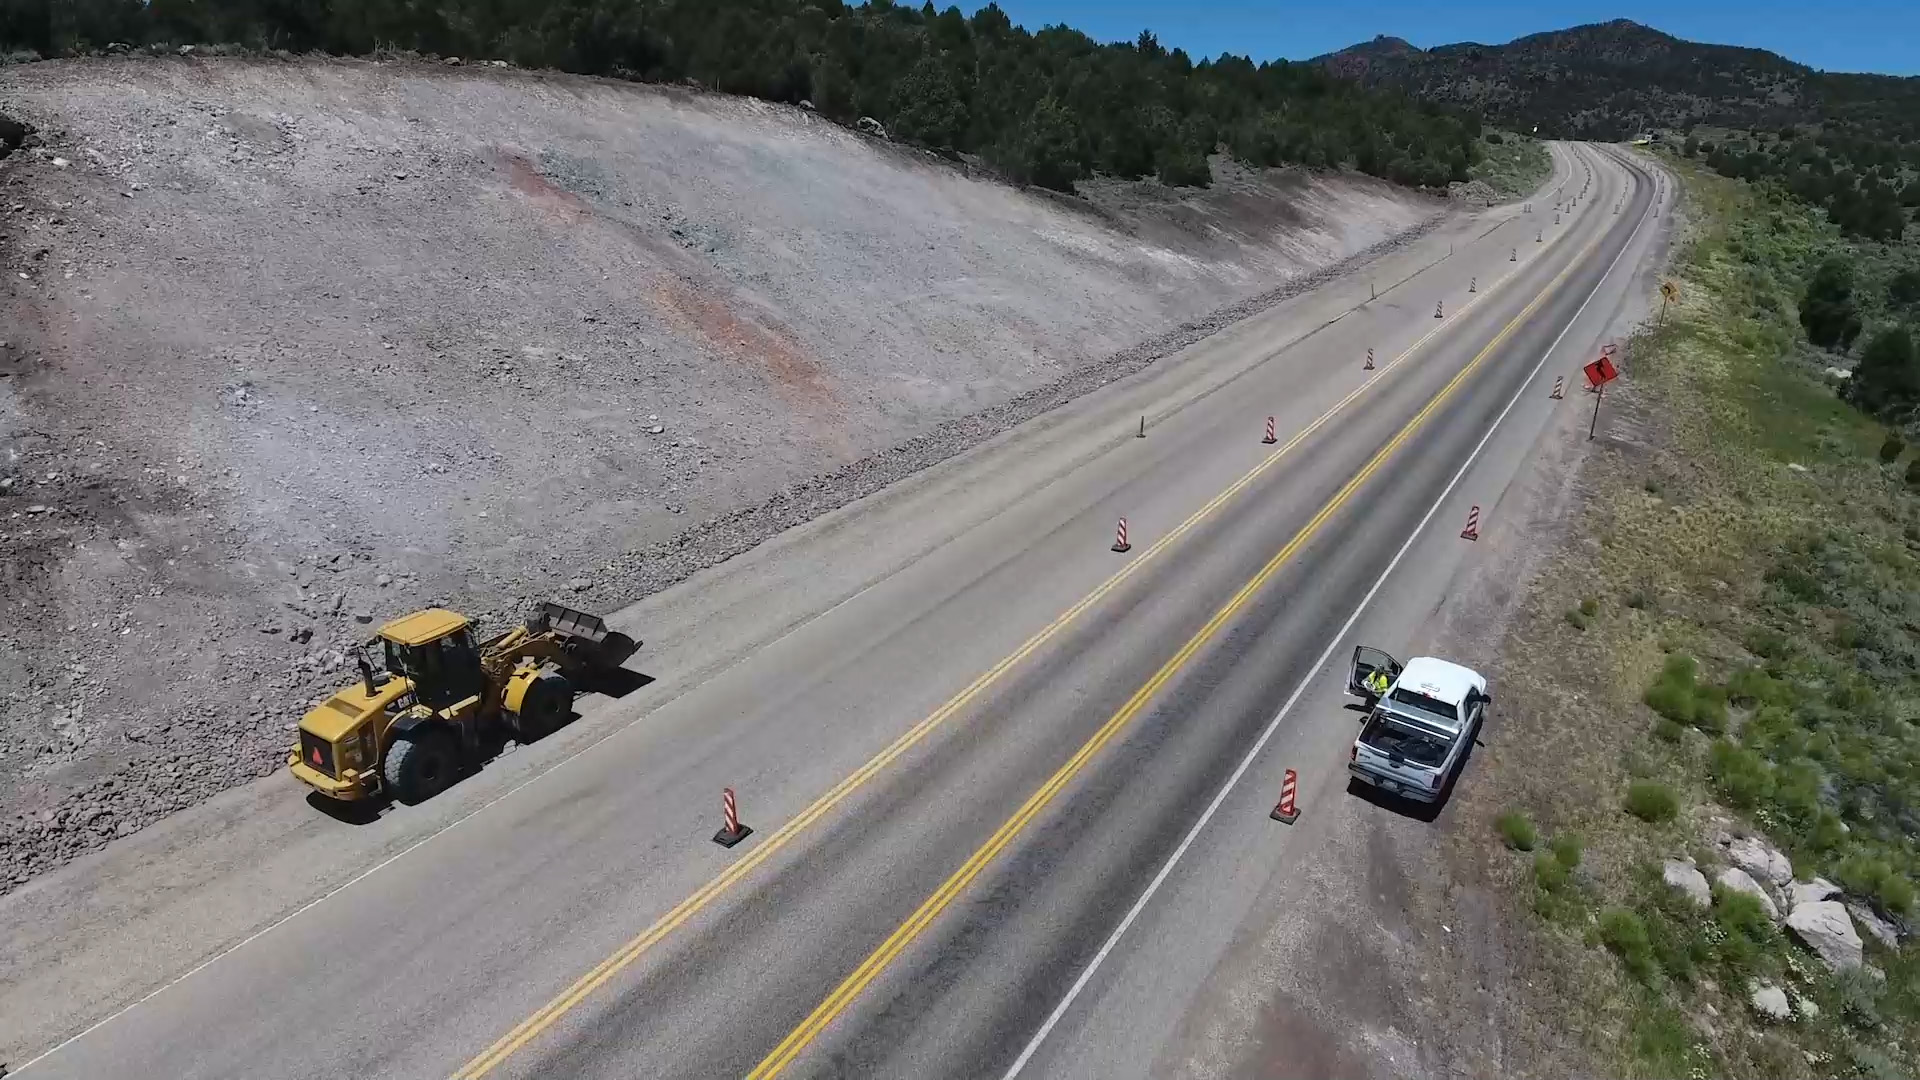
(1838, 35)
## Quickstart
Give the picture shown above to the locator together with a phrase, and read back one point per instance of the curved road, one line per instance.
(969, 736)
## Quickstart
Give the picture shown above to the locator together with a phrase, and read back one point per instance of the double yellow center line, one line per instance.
(686, 909)
(876, 962)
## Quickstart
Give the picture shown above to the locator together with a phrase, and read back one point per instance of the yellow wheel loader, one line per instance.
(409, 728)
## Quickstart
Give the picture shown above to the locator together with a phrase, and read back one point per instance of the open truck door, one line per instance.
(1366, 661)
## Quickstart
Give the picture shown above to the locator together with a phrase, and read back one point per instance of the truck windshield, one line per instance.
(1414, 699)
(1390, 736)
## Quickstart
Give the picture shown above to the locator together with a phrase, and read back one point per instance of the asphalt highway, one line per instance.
(969, 736)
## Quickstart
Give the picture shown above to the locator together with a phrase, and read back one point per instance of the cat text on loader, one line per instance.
(409, 730)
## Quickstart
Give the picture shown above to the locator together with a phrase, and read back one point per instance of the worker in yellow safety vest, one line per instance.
(1377, 683)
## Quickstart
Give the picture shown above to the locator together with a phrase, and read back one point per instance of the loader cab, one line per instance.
(435, 650)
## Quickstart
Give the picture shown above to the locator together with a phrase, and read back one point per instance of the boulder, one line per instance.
(1811, 892)
(1883, 931)
(1762, 860)
(1825, 927)
(1734, 879)
(1770, 1001)
(1688, 879)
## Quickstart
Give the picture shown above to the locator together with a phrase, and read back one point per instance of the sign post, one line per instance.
(1668, 291)
(1599, 374)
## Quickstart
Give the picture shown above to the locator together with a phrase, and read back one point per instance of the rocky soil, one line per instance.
(290, 348)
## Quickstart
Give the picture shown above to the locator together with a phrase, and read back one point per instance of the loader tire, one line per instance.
(421, 763)
(548, 703)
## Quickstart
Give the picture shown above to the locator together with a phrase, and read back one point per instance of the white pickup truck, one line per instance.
(1419, 727)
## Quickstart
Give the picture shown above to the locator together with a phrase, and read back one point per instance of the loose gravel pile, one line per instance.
(290, 348)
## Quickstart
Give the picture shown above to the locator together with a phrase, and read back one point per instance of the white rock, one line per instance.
(1825, 927)
(1882, 930)
(1689, 880)
(1735, 879)
(1762, 860)
(1769, 1001)
(1811, 892)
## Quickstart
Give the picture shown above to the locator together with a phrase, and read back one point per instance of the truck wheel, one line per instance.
(421, 763)
(545, 707)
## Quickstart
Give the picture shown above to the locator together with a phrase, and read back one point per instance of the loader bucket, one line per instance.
(569, 624)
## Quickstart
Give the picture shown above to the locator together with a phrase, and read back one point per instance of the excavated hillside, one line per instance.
(291, 347)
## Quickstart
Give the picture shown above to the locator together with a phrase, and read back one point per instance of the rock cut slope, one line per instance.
(295, 346)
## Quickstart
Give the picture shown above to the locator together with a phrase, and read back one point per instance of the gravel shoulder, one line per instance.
(292, 347)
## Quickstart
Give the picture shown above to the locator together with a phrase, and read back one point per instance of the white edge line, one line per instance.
(1313, 673)
(345, 885)
(565, 759)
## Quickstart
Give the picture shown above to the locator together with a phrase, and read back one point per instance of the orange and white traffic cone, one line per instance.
(1285, 811)
(1472, 531)
(731, 832)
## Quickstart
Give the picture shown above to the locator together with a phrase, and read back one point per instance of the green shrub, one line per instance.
(1672, 700)
(1796, 790)
(1753, 686)
(1567, 848)
(1895, 894)
(1873, 1063)
(1768, 644)
(1859, 995)
(1740, 914)
(1651, 801)
(1913, 473)
(1516, 830)
(1576, 619)
(1667, 731)
(1678, 945)
(1663, 1041)
(1626, 935)
(1638, 600)
(1743, 777)
(1887, 376)
(1549, 872)
(1864, 875)
(1891, 449)
(1710, 709)
(1826, 833)
(1589, 607)
(1680, 697)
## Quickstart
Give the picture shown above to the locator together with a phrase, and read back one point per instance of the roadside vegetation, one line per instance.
(1725, 669)
(1868, 186)
(1512, 165)
(1046, 107)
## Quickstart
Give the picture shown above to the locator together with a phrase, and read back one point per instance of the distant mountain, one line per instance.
(1611, 80)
